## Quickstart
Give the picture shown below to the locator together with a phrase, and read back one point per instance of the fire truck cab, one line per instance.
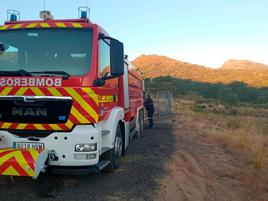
(68, 97)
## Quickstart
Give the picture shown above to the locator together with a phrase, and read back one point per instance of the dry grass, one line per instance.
(243, 127)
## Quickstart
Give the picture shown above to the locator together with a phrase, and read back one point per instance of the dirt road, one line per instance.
(168, 163)
(203, 169)
(138, 177)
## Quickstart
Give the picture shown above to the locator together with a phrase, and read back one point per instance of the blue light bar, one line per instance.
(83, 15)
(13, 15)
(83, 12)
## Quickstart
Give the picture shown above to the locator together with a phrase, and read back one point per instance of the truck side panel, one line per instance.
(135, 91)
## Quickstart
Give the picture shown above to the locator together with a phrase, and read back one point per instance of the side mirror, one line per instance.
(116, 57)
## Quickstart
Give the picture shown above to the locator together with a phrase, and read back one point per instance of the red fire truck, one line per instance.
(69, 98)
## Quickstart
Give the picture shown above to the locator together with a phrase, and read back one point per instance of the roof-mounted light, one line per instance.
(84, 12)
(13, 15)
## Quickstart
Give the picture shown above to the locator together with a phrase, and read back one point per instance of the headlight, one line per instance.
(85, 147)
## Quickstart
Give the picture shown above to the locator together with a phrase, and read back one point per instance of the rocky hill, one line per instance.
(254, 74)
(243, 65)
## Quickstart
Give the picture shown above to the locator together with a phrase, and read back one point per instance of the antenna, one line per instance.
(44, 4)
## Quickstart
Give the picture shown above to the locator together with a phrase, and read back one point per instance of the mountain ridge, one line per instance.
(232, 70)
(235, 64)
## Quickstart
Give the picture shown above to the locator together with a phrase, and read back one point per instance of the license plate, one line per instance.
(29, 145)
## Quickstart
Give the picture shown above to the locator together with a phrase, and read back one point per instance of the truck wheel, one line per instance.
(114, 155)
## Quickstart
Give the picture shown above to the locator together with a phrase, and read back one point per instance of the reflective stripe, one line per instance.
(85, 114)
(55, 127)
(18, 162)
(92, 94)
(54, 91)
(6, 125)
(60, 24)
(4, 27)
(17, 26)
(11, 171)
(39, 127)
(76, 25)
(21, 91)
(44, 25)
(69, 124)
(31, 25)
(107, 99)
(79, 116)
(6, 91)
(21, 126)
(82, 102)
(37, 91)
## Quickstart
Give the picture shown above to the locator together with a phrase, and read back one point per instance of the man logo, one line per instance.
(28, 111)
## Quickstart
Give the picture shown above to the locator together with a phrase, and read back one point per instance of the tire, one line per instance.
(114, 155)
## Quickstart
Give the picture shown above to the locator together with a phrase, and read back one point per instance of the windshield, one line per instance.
(38, 50)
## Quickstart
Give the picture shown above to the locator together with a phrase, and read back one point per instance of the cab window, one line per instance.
(104, 58)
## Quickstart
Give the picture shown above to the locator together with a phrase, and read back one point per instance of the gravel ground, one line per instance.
(138, 177)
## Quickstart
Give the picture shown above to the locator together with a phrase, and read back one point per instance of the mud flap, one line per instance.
(22, 162)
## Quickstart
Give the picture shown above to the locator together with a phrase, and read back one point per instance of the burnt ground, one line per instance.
(138, 177)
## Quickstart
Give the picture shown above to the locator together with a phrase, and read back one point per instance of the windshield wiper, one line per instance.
(20, 72)
(64, 74)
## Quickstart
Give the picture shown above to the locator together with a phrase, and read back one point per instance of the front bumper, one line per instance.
(17, 162)
(63, 145)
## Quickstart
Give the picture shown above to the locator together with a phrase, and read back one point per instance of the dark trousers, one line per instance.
(151, 122)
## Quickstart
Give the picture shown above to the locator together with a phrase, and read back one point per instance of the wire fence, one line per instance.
(163, 102)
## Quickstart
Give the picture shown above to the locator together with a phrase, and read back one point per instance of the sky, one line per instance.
(205, 32)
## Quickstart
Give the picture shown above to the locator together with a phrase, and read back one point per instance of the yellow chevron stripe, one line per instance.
(4, 27)
(60, 24)
(44, 25)
(21, 91)
(6, 125)
(20, 160)
(6, 149)
(39, 127)
(83, 103)
(54, 91)
(69, 124)
(76, 25)
(34, 153)
(23, 163)
(6, 91)
(4, 158)
(32, 25)
(11, 171)
(92, 94)
(21, 126)
(17, 26)
(37, 91)
(79, 116)
(55, 127)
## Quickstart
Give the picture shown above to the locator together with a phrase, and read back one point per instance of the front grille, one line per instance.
(30, 133)
(35, 109)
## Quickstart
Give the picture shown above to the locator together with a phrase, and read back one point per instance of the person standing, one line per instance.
(149, 105)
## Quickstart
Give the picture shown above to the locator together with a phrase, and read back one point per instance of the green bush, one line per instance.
(232, 94)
